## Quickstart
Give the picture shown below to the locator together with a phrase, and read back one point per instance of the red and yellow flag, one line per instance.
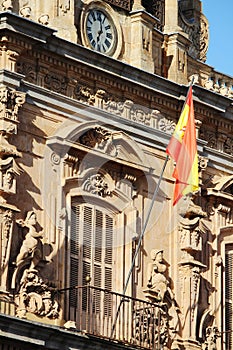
(183, 149)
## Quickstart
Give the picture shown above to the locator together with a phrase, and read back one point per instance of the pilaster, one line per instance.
(176, 49)
(10, 102)
(141, 50)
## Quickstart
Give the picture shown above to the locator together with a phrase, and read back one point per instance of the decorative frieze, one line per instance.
(219, 141)
(56, 83)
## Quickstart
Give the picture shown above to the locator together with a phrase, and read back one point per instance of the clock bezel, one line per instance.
(109, 13)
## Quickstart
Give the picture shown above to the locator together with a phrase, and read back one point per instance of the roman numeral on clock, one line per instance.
(109, 35)
(90, 36)
(107, 43)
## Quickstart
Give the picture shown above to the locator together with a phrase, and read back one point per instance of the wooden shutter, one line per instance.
(91, 248)
(229, 296)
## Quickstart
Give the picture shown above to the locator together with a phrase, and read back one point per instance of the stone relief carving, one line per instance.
(31, 248)
(32, 294)
(27, 70)
(159, 290)
(84, 94)
(10, 102)
(157, 281)
(212, 334)
(35, 296)
(220, 141)
(204, 37)
(157, 10)
(198, 34)
(146, 38)
(8, 172)
(6, 226)
(191, 233)
(97, 184)
(56, 83)
(100, 139)
(64, 5)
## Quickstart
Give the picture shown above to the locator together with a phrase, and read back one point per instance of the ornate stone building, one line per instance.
(90, 93)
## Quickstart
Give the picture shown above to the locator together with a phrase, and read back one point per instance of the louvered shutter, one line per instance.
(91, 250)
(229, 296)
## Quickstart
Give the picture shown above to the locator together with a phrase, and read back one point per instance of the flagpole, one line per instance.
(139, 243)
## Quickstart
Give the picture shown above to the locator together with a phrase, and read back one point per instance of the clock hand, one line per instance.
(99, 32)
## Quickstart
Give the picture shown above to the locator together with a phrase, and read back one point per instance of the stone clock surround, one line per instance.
(117, 46)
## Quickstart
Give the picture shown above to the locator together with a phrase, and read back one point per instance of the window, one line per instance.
(91, 249)
(229, 296)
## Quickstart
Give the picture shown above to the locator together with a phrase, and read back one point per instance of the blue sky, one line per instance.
(220, 17)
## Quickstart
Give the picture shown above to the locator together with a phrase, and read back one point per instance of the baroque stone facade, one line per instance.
(83, 135)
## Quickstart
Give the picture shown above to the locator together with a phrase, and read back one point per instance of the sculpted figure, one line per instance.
(8, 179)
(31, 246)
(157, 281)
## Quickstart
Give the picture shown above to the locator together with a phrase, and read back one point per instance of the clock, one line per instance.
(100, 31)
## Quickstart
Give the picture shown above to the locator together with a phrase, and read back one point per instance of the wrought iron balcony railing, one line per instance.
(138, 323)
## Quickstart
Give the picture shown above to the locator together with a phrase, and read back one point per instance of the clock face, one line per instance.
(100, 31)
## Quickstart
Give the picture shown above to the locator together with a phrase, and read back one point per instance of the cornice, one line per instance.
(28, 28)
(107, 70)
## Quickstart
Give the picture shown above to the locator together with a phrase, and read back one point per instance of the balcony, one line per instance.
(113, 316)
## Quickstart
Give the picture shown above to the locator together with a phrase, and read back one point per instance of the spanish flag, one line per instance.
(183, 149)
